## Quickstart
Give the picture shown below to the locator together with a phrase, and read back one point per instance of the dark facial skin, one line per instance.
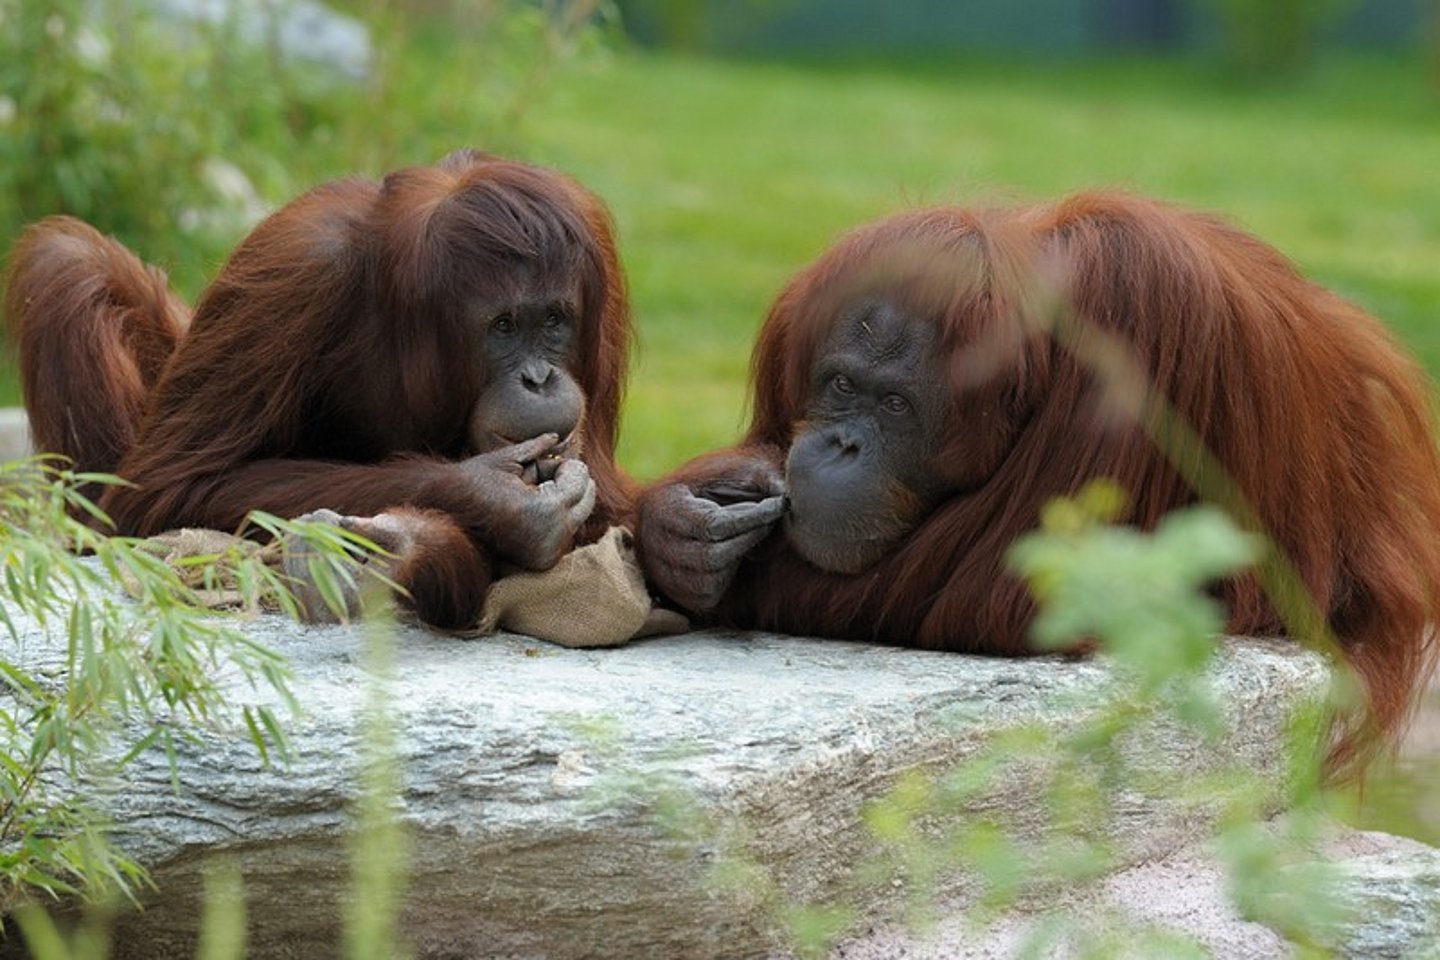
(528, 342)
(859, 472)
(858, 477)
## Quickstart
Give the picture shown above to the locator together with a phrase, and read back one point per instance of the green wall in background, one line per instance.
(1043, 27)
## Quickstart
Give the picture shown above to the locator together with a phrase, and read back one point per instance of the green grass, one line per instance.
(725, 177)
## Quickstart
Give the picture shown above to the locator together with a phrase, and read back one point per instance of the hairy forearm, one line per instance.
(172, 496)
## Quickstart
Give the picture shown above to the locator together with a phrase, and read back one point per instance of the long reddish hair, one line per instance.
(1321, 422)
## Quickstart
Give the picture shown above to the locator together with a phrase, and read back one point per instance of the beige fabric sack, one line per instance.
(595, 596)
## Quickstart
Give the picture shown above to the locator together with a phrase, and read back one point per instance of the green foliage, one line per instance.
(1142, 593)
(1143, 598)
(684, 24)
(222, 928)
(814, 928)
(156, 130)
(1276, 879)
(1432, 36)
(378, 845)
(133, 669)
(469, 74)
(45, 940)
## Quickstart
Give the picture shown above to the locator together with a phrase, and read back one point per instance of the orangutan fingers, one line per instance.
(519, 458)
(712, 556)
(393, 533)
(723, 523)
(697, 589)
(758, 482)
(580, 511)
(299, 563)
(727, 554)
(572, 483)
(543, 469)
(679, 513)
(710, 596)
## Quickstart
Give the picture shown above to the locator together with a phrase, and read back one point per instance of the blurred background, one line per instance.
(733, 140)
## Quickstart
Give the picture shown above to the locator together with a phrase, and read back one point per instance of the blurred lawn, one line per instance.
(727, 176)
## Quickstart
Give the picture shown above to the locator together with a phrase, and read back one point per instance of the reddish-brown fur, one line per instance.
(1323, 423)
(323, 367)
(110, 325)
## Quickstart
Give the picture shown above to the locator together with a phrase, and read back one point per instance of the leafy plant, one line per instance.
(166, 133)
(1432, 33)
(378, 848)
(176, 134)
(515, 53)
(128, 660)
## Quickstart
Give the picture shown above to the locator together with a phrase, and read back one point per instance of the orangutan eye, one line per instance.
(504, 323)
(553, 320)
(841, 384)
(896, 404)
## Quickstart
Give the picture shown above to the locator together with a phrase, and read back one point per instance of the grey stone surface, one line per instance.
(1391, 887)
(510, 747)
(14, 434)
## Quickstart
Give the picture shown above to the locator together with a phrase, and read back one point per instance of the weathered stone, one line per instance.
(509, 749)
(1390, 886)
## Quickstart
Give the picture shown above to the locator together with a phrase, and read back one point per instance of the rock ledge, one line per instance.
(509, 747)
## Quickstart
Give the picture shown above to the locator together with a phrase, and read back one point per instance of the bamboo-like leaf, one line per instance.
(327, 584)
(141, 745)
(256, 737)
(9, 623)
(277, 733)
(18, 680)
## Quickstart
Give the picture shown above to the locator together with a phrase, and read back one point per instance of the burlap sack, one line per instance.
(594, 597)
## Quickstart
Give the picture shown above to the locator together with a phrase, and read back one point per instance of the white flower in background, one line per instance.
(7, 111)
(55, 26)
(107, 110)
(237, 205)
(92, 47)
(234, 189)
